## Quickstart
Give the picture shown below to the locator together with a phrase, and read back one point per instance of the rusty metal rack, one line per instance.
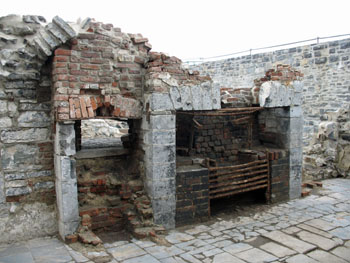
(244, 117)
(231, 180)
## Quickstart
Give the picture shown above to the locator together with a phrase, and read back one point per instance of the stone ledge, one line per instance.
(101, 152)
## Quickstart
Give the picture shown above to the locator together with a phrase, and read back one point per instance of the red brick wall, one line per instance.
(100, 74)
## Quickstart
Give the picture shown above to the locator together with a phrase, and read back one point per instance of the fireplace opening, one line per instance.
(227, 157)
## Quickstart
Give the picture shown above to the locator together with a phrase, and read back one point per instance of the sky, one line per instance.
(193, 29)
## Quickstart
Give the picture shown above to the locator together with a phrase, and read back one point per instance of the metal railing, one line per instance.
(249, 51)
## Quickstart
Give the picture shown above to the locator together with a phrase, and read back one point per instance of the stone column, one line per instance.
(66, 181)
(160, 167)
(295, 151)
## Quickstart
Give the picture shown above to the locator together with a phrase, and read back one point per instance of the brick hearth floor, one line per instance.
(312, 229)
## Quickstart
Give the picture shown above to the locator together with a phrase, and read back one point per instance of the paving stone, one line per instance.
(188, 257)
(320, 241)
(341, 232)
(289, 241)
(13, 249)
(201, 249)
(198, 229)
(142, 259)
(212, 252)
(224, 243)
(172, 260)
(126, 251)
(342, 252)
(347, 243)
(160, 252)
(277, 250)
(256, 255)
(77, 256)
(325, 257)
(291, 230)
(226, 258)
(236, 248)
(16, 258)
(51, 253)
(177, 237)
(192, 244)
(320, 224)
(300, 258)
(115, 244)
(315, 230)
(144, 243)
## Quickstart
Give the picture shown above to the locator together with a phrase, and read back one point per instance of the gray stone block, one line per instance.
(55, 31)
(161, 171)
(65, 139)
(5, 122)
(2, 194)
(67, 201)
(24, 135)
(34, 119)
(159, 122)
(42, 46)
(66, 28)
(163, 137)
(295, 176)
(216, 99)
(176, 98)
(160, 102)
(164, 211)
(160, 153)
(51, 41)
(19, 156)
(163, 188)
(186, 98)
(206, 96)
(196, 98)
(65, 169)
(18, 191)
(44, 185)
(296, 112)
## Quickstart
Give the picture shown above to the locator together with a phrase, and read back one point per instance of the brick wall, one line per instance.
(192, 196)
(100, 73)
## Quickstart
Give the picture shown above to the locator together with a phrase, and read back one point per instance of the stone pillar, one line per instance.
(2, 194)
(295, 151)
(66, 181)
(160, 169)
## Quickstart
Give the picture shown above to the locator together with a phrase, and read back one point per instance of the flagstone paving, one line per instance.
(312, 229)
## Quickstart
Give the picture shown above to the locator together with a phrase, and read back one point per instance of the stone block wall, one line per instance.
(27, 179)
(192, 195)
(326, 68)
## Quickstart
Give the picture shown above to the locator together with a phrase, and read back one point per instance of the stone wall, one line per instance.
(326, 69)
(27, 194)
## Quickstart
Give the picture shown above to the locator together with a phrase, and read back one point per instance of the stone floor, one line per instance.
(312, 229)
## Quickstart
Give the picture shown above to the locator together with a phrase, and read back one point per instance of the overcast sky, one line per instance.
(202, 28)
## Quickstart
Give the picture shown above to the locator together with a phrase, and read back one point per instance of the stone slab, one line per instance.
(236, 248)
(320, 241)
(341, 232)
(342, 252)
(161, 252)
(320, 224)
(325, 257)
(277, 250)
(289, 241)
(126, 251)
(142, 259)
(300, 258)
(175, 237)
(226, 258)
(256, 255)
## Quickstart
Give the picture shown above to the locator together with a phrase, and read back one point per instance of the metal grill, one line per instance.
(231, 180)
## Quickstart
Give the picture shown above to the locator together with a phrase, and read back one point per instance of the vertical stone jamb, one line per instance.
(160, 166)
(66, 181)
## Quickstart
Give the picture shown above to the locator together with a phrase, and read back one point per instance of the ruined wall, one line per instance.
(27, 195)
(326, 69)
